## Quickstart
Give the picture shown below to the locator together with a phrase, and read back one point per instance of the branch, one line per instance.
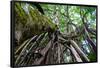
(92, 31)
(76, 55)
(30, 49)
(43, 53)
(79, 50)
(21, 46)
(18, 58)
(84, 20)
(86, 31)
(90, 40)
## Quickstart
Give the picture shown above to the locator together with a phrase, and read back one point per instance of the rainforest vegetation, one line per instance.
(54, 34)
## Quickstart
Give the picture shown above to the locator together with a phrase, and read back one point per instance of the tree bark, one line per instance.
(90, 40)
(18, 58)
(79, 50)
(76, 55)
(43, 53)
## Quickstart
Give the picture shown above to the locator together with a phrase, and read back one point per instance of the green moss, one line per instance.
(34, 21)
